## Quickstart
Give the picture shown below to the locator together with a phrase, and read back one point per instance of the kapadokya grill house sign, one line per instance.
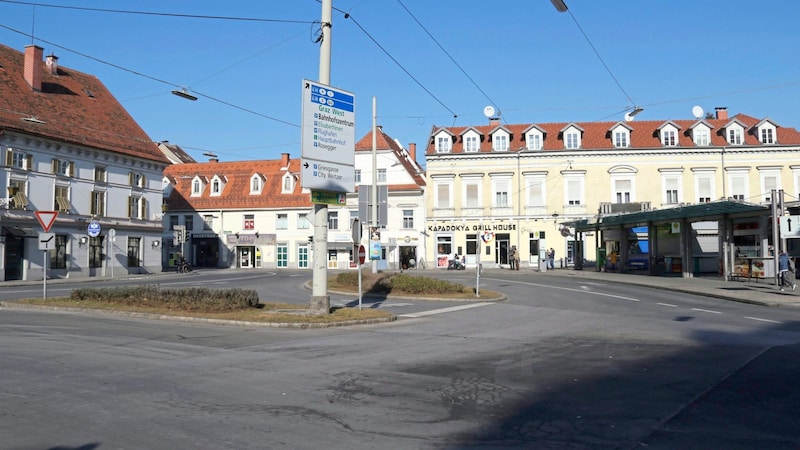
(465, 227)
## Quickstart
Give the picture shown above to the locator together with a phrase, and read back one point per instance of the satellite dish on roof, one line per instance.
(697, 111)
(488, 111)
(628, 117)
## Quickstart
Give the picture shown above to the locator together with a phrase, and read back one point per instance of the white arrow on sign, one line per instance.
(790, 226)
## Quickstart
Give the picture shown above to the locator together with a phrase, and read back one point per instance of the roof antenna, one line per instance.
(33, 23)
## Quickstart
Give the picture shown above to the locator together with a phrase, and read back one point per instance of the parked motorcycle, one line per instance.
(455, 264)
(184, 266)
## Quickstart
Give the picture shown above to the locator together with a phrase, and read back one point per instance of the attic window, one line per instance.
(256, 184)
(89, 93)
(288, 184)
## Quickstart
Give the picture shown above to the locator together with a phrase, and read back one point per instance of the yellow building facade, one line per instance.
(495, 189)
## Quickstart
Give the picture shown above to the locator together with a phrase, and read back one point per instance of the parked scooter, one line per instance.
(455, 264)
(184, 266)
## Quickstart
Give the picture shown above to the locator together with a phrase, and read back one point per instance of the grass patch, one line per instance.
(220, 304)
(384, 283)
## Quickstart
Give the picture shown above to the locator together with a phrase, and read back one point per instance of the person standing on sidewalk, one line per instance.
(551, 258)
(785, 271)
(512, 257)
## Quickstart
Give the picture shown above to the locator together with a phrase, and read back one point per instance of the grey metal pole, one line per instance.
(775, 244)
(374, 175)
(320, 300)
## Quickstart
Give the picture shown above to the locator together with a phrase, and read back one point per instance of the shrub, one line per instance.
(190, 299)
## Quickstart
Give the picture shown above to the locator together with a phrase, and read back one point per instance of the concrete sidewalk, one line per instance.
(758, 292)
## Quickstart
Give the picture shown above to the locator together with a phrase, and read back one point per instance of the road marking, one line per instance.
(762, 320)
(445, 310)
(667, 304)
(585, 288)
(706, 310)
(568, 289)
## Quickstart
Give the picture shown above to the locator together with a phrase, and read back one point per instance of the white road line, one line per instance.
(445, 310)
(706, 310)
(762, 320)
(585, 288)
(567, 289)
(667, 304)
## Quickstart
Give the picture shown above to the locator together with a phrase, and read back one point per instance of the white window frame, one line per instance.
(303, 222)
(467, 184)
(618, 194)
(742, 175)
(408, 219)
(702, 136)
(672, 189)
(472, 142)
(572, 139)
(500, 141)
(669, 137)
(621, 138)
(580, 181)
(444, 143)
(333, 220)
(502, 192)
(381, 175)
(287, 184)
(735, 135)
(711, 194)
(764, 175)
(256, 184)
(197, 187)
(766, 134)
(282, 221)
(438, 186)
(533, 140)
(532, 181)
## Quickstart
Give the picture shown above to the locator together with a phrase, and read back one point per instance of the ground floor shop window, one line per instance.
(96, 252)
(134, 245)
(58, 256)
(302, 257)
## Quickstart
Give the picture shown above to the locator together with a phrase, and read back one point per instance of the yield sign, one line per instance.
(46, 219)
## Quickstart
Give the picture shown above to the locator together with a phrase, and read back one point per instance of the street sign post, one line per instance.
(362, 254)
(790, 226)
(46, 219)
(327, 197)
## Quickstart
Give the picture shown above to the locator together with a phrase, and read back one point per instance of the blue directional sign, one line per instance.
(327, 139)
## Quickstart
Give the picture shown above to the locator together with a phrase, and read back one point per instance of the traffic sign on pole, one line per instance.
(46, 219)
(362, 254)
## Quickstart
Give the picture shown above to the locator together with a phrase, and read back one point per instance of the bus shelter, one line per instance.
(729, 238)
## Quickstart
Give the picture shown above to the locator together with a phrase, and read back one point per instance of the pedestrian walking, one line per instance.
(551, 258)
(512, 257)
(516, 258)
(786, 271)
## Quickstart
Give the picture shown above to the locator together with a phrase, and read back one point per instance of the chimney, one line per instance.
(52, 63)
(722, 112)
(494, 121)
(412, 151)
(33, 66)
(284, 160)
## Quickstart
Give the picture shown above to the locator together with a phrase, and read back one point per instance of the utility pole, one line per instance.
(320, 300)
(374, 175)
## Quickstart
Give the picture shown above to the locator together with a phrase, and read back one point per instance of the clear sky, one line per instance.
(424, 61)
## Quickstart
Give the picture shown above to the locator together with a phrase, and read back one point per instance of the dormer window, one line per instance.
(471, 142)
(197, 187)
(256, 184)
(621, 135)
(533, 140)
(444, 142)
(500, 141)
(735, 136)
(668, 133)
(217, 185)
(572, 140)
(765, 131)
(287, 184)
(571, 135)
(669, 138)
(702, 136)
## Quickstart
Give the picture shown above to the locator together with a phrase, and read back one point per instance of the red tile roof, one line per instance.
(596, 135)
(236, 192)
(75, 108)
(385, 142)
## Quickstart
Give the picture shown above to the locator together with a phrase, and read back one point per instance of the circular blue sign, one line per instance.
(93, 229)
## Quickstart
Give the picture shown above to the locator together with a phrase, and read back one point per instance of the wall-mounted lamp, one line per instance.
(82, 241)
(155, 244)
(257, 234)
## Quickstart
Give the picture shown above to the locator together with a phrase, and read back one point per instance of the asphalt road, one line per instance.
(557, 365)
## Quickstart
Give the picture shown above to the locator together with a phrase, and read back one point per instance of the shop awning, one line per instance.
(21, 232)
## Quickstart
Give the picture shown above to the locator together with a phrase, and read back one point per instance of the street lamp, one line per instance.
(183, 93)
(560, 5)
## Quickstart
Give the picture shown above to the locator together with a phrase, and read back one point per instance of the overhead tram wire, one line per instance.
(450, 56)
(349, 16)
(116, 66)
(147, 13)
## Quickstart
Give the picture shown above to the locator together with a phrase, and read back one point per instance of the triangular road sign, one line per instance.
(46, 219)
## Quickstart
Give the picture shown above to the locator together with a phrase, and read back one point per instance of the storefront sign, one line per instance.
(465, 227)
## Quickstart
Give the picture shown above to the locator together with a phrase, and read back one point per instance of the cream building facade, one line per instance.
(497, 186)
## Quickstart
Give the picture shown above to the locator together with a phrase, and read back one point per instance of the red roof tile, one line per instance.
(385, 142)
(236, 192)
(596, 135)
(75, 108)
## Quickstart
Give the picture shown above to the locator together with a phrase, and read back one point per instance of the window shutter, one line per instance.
(29, 162)
(130, 178)
(9, 156)
(142, 180)
(71, 169)
(54, 166)
(143, 213)
(130, 206)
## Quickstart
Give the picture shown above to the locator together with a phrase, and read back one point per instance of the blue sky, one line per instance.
(531, 62)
